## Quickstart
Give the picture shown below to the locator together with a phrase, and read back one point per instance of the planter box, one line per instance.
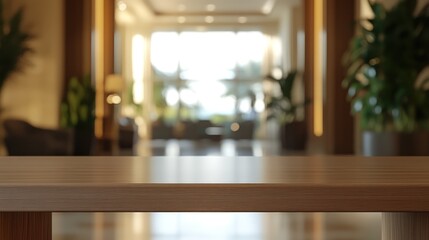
(83, 141)
(395, 144)
(293, 136)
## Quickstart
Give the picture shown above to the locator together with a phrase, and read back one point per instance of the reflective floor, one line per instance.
(214, 226)
(208, 148)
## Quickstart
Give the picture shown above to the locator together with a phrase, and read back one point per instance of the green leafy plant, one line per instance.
(159, 100)
(384, 62)
(77, 108)
(14, 44)
(283, 108)
(137, 108)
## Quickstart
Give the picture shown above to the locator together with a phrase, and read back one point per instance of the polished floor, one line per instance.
(214, 226)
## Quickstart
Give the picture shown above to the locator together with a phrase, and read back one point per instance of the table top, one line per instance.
(239, 184)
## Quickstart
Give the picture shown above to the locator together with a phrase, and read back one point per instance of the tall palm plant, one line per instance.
(283, 108)
(14, 43)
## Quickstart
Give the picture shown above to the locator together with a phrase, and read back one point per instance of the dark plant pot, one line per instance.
(83, 141)
(395, 144)
(293, 136)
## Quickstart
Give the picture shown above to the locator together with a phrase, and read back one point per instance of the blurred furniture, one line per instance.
(161, 130)
(242, 130)
(128, 133)
(24, 139)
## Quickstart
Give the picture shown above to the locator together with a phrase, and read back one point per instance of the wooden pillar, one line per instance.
(104, 29)
(77, 38)
(308, 79)
(110, 127)
(25, 226)
(405, 226)
(339, 124)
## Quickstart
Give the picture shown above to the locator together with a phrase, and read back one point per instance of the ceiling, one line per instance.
(218, 7)
(196, 11)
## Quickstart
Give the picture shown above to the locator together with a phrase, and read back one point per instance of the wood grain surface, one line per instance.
(270, 184)
(399, 226)
(25, 226)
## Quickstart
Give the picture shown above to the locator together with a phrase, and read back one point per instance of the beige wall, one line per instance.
(35, 93)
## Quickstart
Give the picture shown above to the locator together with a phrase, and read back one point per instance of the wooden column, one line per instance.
(339, 124)
(405, 226)
(77, 38)
(104, 28)
(25, 226)
(110, 127)
(309, 69)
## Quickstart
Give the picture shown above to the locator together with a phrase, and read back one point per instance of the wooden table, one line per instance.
(31, 188)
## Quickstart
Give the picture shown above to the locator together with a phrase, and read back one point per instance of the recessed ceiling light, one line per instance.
(210, 7)
(181, 7)
(242, 19)
(209, 19)
(181, 19)
(122, 6)
(268, 7)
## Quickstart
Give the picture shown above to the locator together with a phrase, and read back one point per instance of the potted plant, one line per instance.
(77, 112)
(384, 62)
(283, 108)
(160, 129)
(14, 44)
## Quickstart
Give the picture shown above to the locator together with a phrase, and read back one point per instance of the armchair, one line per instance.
(24, 139)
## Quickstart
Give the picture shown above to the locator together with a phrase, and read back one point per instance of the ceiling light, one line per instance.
(122, 6)
(242, 19)
(210, 7)
(209, 19)
(268, 7)
(181, 19)
(181, 7)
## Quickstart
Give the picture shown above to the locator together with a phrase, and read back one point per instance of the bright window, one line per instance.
(209, 74)
(138, 67)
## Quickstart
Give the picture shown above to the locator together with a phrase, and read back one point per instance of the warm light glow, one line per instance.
(318, 68)
(268, 7)
(99, 67)
(365, 9)
(210, 7)
(138, 67)
(242, 19)
(122, 6)
(138, 224)
(114, 99)
(235, 127)
(277, 73)
(181, 19)
(209, 19)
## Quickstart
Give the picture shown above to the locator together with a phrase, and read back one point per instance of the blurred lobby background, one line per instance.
(188, 78)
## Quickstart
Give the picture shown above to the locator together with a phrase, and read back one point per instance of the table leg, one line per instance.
(405, 226)
(25, 226)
